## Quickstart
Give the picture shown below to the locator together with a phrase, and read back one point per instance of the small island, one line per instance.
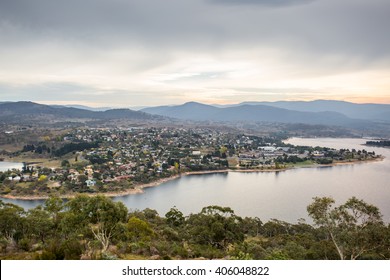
(118, 161)
(380, 143)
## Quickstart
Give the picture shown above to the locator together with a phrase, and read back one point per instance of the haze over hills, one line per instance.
(83, 107)
(254, 113)
(320, 112)
(374, 112)
(378, 112)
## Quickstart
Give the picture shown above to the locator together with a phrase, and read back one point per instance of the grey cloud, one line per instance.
(45, 91)
(265, 3)
(72, 93)
(104, 24)
(280, 90)
(324, 36)
(353, 28)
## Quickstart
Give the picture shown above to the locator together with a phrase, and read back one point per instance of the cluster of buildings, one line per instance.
(143, 154)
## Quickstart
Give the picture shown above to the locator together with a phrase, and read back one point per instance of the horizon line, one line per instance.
(96, 106)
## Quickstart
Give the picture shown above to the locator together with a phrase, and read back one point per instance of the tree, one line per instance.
(177, 166)
(354, 227)
(82, 179)
(223, 151)
(138, 230)
(251, 226)
(39, 223)
(11, 221)
(100, 214)
(275, 227)
(2, 177)
(42, 178)
(54, 205)
(216, 226)
(174, 217)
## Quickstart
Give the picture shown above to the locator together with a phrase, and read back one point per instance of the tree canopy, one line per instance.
(352, 226)
(96, 227)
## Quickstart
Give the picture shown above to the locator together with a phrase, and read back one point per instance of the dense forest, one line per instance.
(98, 228)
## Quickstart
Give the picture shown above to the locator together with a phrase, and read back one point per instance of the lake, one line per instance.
(281, 195)
(7, 165)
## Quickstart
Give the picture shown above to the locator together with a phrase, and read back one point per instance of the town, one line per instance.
(113, 161)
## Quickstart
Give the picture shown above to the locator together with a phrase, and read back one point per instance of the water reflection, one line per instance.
(26, 204)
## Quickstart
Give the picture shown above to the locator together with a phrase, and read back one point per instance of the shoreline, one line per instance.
(138, 189)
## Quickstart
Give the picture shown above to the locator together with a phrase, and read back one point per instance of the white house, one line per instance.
(90, 183)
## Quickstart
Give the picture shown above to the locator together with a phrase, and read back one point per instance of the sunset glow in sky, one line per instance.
(152, 52)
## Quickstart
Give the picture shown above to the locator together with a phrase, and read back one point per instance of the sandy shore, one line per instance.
(138, 189)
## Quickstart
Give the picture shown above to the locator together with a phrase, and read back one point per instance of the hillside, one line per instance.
(24, 110)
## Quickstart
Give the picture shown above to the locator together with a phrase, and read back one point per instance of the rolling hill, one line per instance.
(252, 113)
(375, 112)
(29, 111)
(320, 112)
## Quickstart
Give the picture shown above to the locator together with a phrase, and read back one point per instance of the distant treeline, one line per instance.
(382, 143)
(39, 149)
(72, 147)
(67, 148)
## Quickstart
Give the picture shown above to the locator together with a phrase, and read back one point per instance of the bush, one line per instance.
(24, 244)
(72, 249)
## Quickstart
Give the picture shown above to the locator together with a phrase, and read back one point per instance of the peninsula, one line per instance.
(120, 161)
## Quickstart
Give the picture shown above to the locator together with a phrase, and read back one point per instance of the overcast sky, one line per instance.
(125, 53)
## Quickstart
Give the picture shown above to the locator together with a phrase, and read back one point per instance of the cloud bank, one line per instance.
(158, 52)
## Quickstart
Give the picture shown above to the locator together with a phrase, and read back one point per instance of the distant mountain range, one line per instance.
(322, 112)
(273, 112)
(377, 112)
(29, 110)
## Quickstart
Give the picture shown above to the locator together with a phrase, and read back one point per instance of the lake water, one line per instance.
(7, 165)
(281, 195)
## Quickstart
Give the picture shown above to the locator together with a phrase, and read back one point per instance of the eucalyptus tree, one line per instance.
(98, 215)
(40, 224)
(216, 226)
(355, 227)
(12, 222)
(175, 217)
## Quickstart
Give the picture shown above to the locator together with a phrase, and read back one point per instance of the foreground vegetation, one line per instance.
(98, 228)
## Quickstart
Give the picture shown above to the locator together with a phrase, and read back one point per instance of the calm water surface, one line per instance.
(282, 195)
(7, 165)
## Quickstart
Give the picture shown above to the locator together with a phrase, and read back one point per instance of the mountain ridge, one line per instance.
(26, 109)
(323, 112)
(368, 111)
(250, 112)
